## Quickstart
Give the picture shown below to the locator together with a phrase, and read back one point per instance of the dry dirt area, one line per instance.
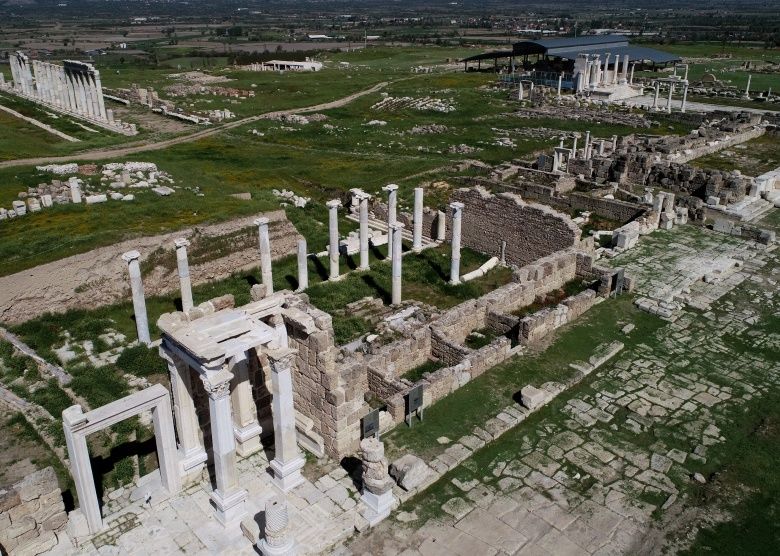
(99, 277)
(18, 455)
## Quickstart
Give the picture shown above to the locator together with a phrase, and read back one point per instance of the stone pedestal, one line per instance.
(378, 499)
(457, 213)
(137, 289)
(184, 273)
(288, 460)
(441, 226)
(265, 255)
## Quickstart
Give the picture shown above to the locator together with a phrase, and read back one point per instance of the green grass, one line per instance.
(418, 372)
(758, 156)
(482, 398)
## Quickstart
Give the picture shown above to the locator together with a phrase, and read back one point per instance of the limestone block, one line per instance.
(33, 204)
(531, 397)
(37, 484)
(9, 498)
(250, 529)
(163, 191)
(94, 199)
(45, 542)
(46, 200)
(3, 214)
(20, 207)
(20, 527)
(128, 197)
(410, 472)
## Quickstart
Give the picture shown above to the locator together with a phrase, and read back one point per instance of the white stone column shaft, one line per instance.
(457, 214)
(193, 454)
(363, 209)
(184, 273)
(418, 219)
(245, 425)
(392, 208)
(137, 289)
(303, 265)
(396, 270)
(333, 246)
(228, 498)
(265, 255)
(288, 461)
(441, 225)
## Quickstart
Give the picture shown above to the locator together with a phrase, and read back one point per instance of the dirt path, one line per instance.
(100, 154)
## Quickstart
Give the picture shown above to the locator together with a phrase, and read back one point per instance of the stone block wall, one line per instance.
(446, 350)
(531, 231)
(535, 327)
(430, 218)
(328, 392)
(31, 514)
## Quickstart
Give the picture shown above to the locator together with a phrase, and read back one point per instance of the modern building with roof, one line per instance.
(595, 64)
(566, 49)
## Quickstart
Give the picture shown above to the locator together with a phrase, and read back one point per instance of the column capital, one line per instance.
(361, 195)
(390, 187)
(333, 204)
(262, 221)
(281, 358)
(457, 205)
(131, 256)
(181, 242)
(218, 385)
(397, 226)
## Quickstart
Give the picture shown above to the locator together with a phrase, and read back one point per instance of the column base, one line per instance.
(229, 509)
(454, 282)
(377, 506)
(248, 439)
(287, 549)
(287, 476)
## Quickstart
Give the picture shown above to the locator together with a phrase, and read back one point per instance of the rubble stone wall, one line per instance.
(540, 324)
(531, 231)
(31, 514)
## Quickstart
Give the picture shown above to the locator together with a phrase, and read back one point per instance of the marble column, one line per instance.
(747, 88)
(282, 340)
(631, 77)
(139, 303)
(601, 148)
(192, 453)
(418, 220)
(288, 461)
(278, 540)
(614, 143)
(606, 69)
(303, 265)
(684, 98)
(396, 229)
(586, 148)
(81, 467)
(228, 498)
(184, 273)
(333, 246)
(441, 226)
(624, 76)
(669, 99)
(363, 208)
(392, 208)
(574, 148)
(655, 95)
(560, 83)
(101, 102)
(245, 425)
(457, 214)
(265, 255)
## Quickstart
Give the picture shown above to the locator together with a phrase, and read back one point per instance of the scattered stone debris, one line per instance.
(393, 104)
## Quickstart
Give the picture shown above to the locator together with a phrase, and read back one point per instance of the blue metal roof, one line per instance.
(635, 54)
(584, 44)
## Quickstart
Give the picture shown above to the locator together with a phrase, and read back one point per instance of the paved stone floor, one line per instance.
(321, 514)
(592, 476)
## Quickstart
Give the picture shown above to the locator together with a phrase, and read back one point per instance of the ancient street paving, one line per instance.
(591, 471)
